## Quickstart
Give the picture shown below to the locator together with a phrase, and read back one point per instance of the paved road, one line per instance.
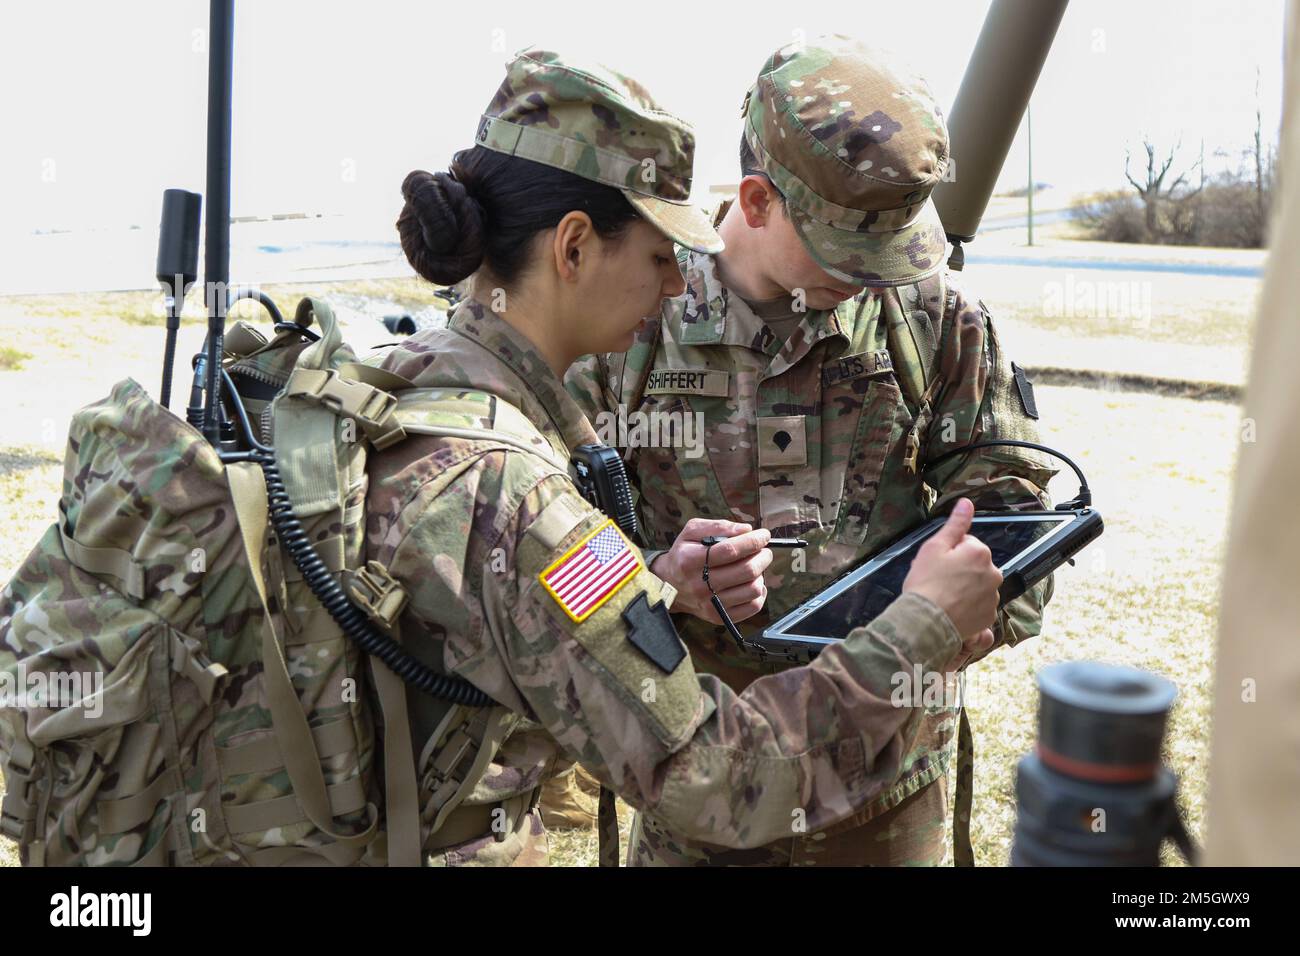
(1021, 222)
(334, 248)
(1127, 265)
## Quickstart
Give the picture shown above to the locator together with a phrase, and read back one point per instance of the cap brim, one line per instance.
(686, 225)
(876, 258)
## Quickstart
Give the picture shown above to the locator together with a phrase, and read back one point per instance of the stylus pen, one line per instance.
(774, 543)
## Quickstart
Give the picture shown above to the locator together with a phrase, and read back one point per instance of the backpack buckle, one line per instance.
(378, 593)
(912, 448)
(443, 769)
(912, 452)
(18, 808)
(372, 408)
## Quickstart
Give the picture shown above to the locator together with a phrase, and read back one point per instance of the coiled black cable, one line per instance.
(1082, 500)
(350, 619)
(353, 622)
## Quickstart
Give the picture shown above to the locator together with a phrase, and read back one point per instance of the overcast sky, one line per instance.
(102, 104)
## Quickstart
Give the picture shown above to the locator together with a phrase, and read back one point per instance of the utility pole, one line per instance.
(1029, 142)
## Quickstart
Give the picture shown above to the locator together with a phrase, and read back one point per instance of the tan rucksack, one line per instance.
(175, 693)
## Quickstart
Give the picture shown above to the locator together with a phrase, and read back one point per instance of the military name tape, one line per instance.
(849, 367)
(688, 381)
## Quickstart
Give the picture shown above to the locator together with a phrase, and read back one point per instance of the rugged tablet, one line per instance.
(1027, 546)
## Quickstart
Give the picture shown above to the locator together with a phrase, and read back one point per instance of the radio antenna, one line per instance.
(216, 257)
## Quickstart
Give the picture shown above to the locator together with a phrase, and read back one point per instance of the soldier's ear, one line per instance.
(571, 241)
(758, 200)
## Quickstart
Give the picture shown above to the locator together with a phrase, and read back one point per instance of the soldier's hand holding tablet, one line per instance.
(955, 571)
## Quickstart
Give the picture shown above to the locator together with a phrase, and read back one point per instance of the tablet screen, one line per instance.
(865, 599)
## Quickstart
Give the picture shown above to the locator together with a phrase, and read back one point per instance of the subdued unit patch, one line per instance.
(651, 631)
(1026, 389)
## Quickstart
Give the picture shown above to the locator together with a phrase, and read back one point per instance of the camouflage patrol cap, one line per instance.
(603, 126)
(855, 142)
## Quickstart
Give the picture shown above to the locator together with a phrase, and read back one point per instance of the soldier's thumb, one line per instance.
(958, 523)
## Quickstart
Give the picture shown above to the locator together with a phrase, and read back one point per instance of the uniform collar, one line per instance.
(529, 384)
(708, 313)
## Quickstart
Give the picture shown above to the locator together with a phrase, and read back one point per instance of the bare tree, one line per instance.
(1260, 205)
(1153, 191)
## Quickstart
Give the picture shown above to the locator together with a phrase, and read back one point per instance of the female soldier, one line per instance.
(565, 212)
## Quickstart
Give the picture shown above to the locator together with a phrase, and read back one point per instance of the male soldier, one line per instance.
(831, 359)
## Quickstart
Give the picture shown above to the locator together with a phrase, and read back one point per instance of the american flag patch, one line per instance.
(589, 573)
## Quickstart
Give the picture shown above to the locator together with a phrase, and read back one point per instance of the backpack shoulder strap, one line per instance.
(302, 759)
(454, 757)
(914, 333)
(476, 416)
(639, 360)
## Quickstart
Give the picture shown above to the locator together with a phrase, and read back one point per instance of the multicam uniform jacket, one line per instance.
(825, 436)
(613, 688)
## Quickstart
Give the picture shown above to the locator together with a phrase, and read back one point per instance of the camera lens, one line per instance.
(1102, 722)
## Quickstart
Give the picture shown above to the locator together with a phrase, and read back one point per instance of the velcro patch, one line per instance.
(688, 381)
(1026, 389)
(860, 365)
(782, 441)
(650, 630)
(591, 572)
(557, 519)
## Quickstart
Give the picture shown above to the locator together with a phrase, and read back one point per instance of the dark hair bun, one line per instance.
(441, 227)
